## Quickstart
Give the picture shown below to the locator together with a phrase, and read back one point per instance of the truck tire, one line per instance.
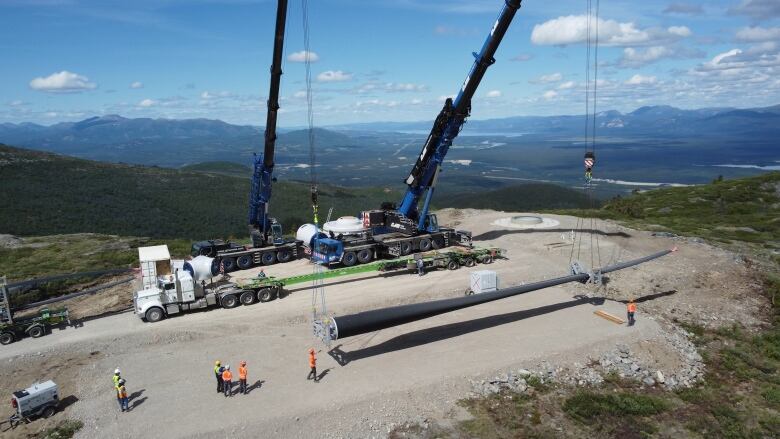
(283, 256)
(453, 265)
(266, 294)
(48, 412)
(229, 301)
(154, 315)
(6, 338)
(36, 331)
(488, 259)
(406, 248)
(365, 255)
(349, 259)
(437, 243)
(228, 264)
(268, 258)
(425, 245)
(247, 297)
(469, 262)
(245, 262)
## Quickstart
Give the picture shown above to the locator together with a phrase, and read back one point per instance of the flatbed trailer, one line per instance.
(12, 329)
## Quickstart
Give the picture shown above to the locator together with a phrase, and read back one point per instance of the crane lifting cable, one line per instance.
(591, 89)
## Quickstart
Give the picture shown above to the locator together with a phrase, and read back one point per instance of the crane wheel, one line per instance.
(228, 265)
(425, 245)
(406, 248)
(6, 338)
(36, 331)
(247, 297)
(283, 255)
(364, 256)
(245, 262)
(154, 315)
(349, 259)
(268, 258)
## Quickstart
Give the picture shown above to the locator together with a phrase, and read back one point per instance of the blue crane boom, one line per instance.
(261, 224)
(449, 122)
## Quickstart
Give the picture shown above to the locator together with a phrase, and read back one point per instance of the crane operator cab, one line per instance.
(431, 223)
(276, 233)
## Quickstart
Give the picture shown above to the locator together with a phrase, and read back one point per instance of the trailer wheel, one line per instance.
(349, 259)
(247, 297)
(365, 255)
(48, 412)
(425, 245)
(283, 256)
(406, 248)
(469, 262)
(453, 265)
(488, 259)
(6, 338)
(268, 258)
(265, 295)
(229, 301)
(469, 292)
(36, 331)
(228, 265)
(154, 315)
(245, 262)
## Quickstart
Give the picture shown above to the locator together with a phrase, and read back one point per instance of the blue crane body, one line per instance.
(392, 232)
(268, 244)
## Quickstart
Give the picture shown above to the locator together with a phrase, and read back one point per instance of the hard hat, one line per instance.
(216, 363)
(122, 381)
(227, 367)
(116, 371)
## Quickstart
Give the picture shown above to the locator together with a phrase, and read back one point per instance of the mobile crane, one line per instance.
(396, 231)
(268, 243)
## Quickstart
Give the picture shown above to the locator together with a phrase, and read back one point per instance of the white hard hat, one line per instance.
(227, 367)
(117, 371)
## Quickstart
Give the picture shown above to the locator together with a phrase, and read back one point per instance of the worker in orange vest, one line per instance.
(631, 309)
(121, 395)
(227, 381)
(242, 378)
(313, 366)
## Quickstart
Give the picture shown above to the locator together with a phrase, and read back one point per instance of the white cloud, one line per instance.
(16, 103)
(146, 103)
(552, 77)
(216, 95)
(550, 94)
(334, 76)
(416, 101)
(641, 80)
(137, 85)
(301, 56)
(494, 94)
(573, 29)
(680, 31)
(62, 82)
(636, 58)
(390, 86)
(758, 34)
(566, 85)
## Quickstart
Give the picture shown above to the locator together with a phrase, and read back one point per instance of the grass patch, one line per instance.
(585, 406)
(64, 430)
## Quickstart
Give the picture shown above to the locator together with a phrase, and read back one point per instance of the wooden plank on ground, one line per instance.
(610, 317)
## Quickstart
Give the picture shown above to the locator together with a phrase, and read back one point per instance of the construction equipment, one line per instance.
(175, 286)
(334, 328)
(483, 281)
(40, 399)
(391, 231)
(268, 243)
(12, 329)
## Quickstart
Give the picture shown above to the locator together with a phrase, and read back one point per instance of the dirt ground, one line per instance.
(407, 373)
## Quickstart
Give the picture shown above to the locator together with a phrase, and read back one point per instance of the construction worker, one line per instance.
(420, 266)
(242, 378)
(227, 381)
(630, 310)
(218, 373)
(116, 376)
(313, 366)
(121, 395)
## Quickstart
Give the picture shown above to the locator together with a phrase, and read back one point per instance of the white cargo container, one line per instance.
(39, 399)
(483, 281)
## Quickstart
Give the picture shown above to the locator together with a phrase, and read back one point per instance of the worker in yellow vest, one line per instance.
(218, 373)
(630, 310)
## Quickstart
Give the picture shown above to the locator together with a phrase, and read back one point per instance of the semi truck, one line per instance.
(175, 286)
(15, 328)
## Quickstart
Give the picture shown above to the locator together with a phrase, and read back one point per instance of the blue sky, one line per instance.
(377, 60)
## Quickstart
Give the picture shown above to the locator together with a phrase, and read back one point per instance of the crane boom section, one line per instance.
(451, 119)
(260, 193)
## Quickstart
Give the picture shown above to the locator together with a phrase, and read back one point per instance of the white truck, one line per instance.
(174, 286)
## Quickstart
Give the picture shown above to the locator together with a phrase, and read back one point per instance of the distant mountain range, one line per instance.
(653, 121)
